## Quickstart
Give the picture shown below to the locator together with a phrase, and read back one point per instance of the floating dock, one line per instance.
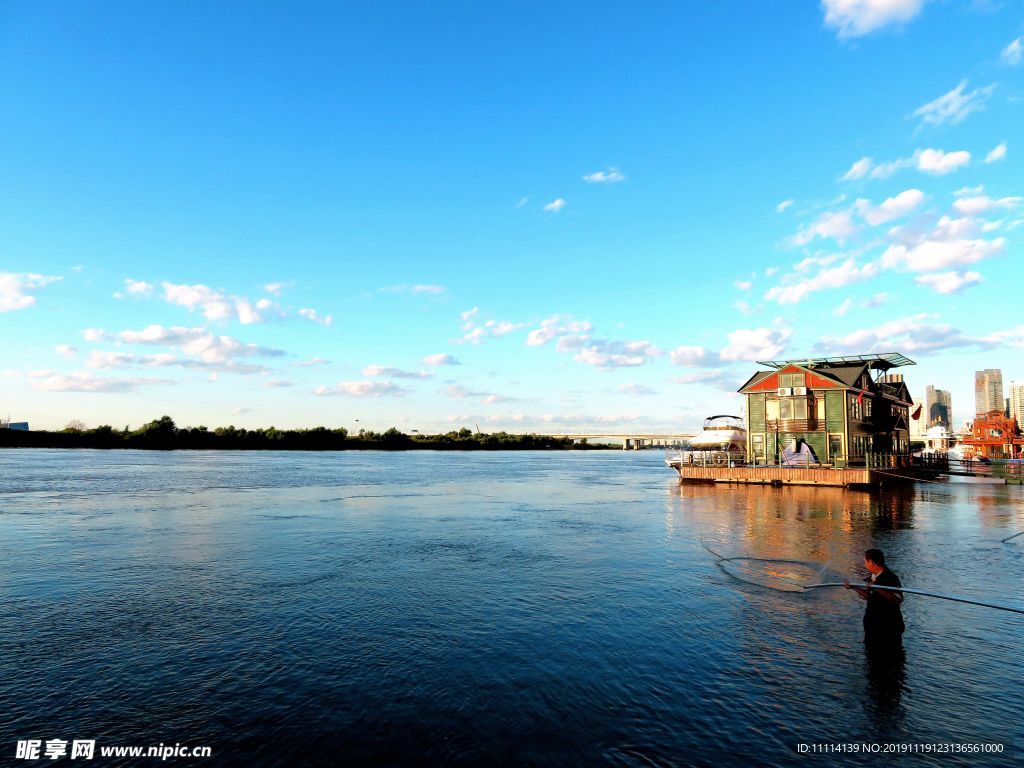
(862, 477)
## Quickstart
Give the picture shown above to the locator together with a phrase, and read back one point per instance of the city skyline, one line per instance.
(430, 218)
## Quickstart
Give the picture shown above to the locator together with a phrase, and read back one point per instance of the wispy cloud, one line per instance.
(914, 335)
(834, 225)
(996, 154)
(794, 288)
(892, 208)
(66, 351)
(609, 176)
(637, 390)
(955, 106)
(440, 359)
(555, 205)
(81, 381)
(394, 373)
(1013, 53)
(784, 205)
(311, 362)
(361, 389)
(16, 289)
(856, 18)
(935, 162)
(949, 282)
(858, 170)
(417, 289)
(216, 304)
(311, 314)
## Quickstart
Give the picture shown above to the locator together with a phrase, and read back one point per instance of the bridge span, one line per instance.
(630, 440)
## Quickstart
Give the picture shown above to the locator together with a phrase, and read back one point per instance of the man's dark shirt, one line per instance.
(882, 616)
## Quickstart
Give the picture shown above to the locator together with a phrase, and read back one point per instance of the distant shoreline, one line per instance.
(163, 435)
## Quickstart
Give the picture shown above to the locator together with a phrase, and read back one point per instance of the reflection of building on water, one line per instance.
(797, 522)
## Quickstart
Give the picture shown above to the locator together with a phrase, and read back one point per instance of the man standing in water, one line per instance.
(883, 619)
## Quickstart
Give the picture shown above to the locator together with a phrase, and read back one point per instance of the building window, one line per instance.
(771, 410)
(792, 380)
(856, 411)
(821, 409)
(757, 445)
(793, 408)
(867, 408)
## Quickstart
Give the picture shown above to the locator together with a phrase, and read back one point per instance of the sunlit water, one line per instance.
(503, 609)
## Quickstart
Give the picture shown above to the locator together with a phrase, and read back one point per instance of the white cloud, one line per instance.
(949, 282)
(610, 176)
(311, 362)
(522, 202)
(311, 314)
(941, 249)
(556, 327)
(835, 225)
(278, 384)
(955, 106)
(910, 335)
(781, 207)
(606, 354)
(361, 389)
(977, 204)
(878, 300)
(66, 351)
(858, 170)
(555, 205)
(201, 349)
(722, 380)
(794, 289)
(15, 289)
(276, 289)
(440, 359)
(756, 343)
(81, 381)
(1013, 53)
(477, 334)
(744, 285)
(997, 153)
(216, 304)
(395, 373)
(855, 18)
(939, 163)
(138, 287)
(693, 357)
(891, 208)
(422, 288)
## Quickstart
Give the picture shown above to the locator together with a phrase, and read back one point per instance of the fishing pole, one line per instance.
(1003, 541)
(924, 593)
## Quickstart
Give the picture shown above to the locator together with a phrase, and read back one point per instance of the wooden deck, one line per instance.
(823, 476)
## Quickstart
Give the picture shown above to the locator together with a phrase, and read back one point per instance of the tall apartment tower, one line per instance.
(938, 408)
(988, 391)
(1016, 401)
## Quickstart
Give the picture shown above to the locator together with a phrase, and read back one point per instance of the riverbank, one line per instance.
(163, 435)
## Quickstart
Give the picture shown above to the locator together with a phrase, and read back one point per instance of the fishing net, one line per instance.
(779, 574)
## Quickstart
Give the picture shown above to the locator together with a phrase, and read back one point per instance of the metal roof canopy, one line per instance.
(882, 361)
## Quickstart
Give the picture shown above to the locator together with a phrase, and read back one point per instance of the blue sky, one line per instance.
(520, 216)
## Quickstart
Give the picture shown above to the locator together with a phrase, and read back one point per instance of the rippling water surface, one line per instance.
(506, 608)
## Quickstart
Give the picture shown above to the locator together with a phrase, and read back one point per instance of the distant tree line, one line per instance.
(164, 434)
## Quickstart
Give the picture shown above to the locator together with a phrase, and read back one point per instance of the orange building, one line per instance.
(995, 436)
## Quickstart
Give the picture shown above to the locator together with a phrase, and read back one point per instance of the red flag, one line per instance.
(916, 414)
(860, 398)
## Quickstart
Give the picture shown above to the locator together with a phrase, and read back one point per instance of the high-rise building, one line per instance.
(988, 391)
(1017, 401)
(920, 424)
(938, 407)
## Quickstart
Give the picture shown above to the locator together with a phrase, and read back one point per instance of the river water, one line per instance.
(488, 608)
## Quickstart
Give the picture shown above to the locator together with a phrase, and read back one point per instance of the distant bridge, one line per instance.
(630, 440)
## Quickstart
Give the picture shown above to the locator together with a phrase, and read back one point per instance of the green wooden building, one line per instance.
(842, 408)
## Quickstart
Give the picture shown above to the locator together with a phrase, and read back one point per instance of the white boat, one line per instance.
(721, 442)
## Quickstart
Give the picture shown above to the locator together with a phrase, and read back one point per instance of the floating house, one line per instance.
(832, 421)
(839, 409)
